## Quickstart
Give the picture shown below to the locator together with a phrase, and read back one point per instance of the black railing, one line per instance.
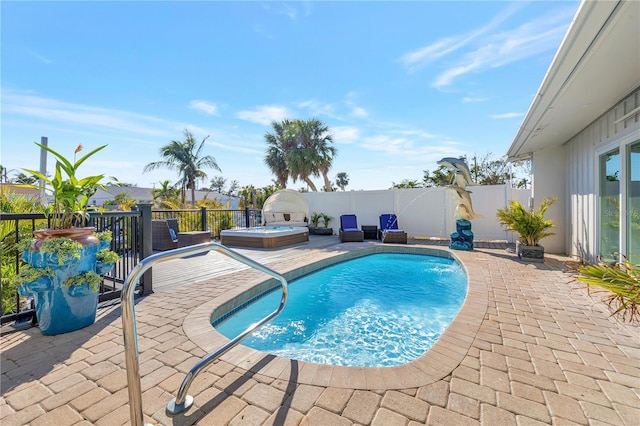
(131, 240)
(16, 227)
(214, 220)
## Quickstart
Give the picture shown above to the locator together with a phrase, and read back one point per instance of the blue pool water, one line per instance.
(377, 310)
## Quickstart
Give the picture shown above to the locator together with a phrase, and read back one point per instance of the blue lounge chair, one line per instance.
(349, 231)
(389, 232)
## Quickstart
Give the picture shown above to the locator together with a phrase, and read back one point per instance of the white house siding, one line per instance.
(582, 171)
(550, 181)
(422, 212)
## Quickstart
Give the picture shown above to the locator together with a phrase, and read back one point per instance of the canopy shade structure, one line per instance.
(286, 207)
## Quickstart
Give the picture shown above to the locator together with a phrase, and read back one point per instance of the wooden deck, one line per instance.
(174, 273)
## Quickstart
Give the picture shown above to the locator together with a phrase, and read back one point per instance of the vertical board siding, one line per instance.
(582, 172)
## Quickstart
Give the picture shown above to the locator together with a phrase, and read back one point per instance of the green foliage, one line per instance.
(89, 277)
(406, 183)
(222, 222)
(14, 241)
(442, 176)
(325, 219)
(107, 256)
(105, 236)
(71, 194)
(342, 180)
(28, 273)
(299, 149)
(530, 224)
(64, 248)
(620, 282)
(261, 195)
(315, 219)
(186, 158)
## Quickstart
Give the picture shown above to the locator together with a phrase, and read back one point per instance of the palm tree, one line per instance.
(165, 196)
(278, 143)
(342, 180)
(315, 152)
(299, 149)
(186, 158)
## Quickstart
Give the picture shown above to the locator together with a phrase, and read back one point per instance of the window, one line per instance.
(609, 206)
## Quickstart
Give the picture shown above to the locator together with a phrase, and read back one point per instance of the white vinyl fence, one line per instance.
(422, 212)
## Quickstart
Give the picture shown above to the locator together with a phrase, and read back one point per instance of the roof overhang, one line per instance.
(596, 66)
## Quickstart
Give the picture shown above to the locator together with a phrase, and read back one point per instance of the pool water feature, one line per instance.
(382, 309)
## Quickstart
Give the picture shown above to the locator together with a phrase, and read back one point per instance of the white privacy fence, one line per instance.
(422, 212)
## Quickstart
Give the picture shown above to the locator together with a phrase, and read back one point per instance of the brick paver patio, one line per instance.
(539, 351)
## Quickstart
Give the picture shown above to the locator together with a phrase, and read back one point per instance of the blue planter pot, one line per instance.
(60, 308)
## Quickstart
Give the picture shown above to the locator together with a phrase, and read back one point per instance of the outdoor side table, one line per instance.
(370, 232)
(193, 237)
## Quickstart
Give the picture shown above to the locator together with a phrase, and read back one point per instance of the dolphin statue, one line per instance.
(455, 165)
(462, 212)
(459, 179)
(464, 198)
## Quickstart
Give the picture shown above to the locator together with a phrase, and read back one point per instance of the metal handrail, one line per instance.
(182, 401)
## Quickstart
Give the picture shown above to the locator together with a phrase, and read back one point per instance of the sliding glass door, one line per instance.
(633, 202)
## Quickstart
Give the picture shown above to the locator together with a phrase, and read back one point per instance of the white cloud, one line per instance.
(204, 106)
(502, 48)
(471, 99)
(507, 115)
(486, 48)
(359, 112)
(81, 116)
(317, 108)
(386, 144)
(265, 114)
(345, 134)
(425, 55)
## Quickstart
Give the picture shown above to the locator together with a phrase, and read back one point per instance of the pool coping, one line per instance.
(435, 364)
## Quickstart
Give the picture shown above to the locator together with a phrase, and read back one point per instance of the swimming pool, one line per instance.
(382, 309)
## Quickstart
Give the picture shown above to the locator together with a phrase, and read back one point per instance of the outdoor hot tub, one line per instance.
(264, 236)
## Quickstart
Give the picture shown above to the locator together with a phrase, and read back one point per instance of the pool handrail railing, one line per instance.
(182, 402)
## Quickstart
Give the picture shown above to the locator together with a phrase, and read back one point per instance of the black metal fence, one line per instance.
(214, 220)
(131, 240)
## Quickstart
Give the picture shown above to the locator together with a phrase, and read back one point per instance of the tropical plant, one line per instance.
(621, 283)
(342, 180)
(278, 144)
(71, 194)
(167, 196)
(325, 219)
(315, 219)
(299, 149)
(186, 158)
(12, 234)
(530, 224)
(22, 178)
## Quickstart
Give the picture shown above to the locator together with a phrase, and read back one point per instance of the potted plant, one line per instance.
(531, 226)
(315, 221)
(65, 261)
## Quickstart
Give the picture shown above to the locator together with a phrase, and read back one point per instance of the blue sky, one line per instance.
(400, 84)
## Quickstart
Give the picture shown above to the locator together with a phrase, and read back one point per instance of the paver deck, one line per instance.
(529, 347)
